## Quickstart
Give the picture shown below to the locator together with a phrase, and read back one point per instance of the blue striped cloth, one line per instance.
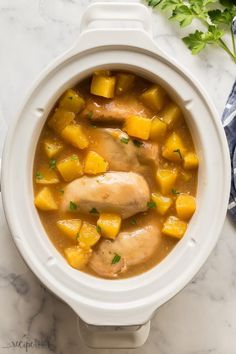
(229, 124)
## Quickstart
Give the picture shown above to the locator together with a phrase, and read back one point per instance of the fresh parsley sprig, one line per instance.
(217, 16)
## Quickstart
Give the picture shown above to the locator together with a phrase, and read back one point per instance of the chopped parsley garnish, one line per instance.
(52, 164)
(116, 259)
(178, 152)
(99, 230)
(39, 175)
(90, 115)
(124, 140)
(70, 97)
(73, 206)
(137, 143)
(174, 191)
(61, 191)
(74, 157)
(133, 221)
(93, 126)
(151, 205)
(77, 237)
(94, 211)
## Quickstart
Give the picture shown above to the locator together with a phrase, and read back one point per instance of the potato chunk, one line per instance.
(154, 98)
(172, 115)
(138, 127)
(174, 227)
(124, 82)
(95, 164)
(158, 129)
(191, 161)
(166, 180)
(174, 149)
(46, 176)
(88, 235)
(74, 135)
(52, 147)
(44, 200)
(70, 227)
(163, 204)
(70, 168)
(60, 119)
(185, 206)
(103, 85)
(77, 256)
(109, 225)
(71, 102)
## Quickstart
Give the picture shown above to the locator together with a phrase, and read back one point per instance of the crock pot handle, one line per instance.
(114, 337)
(124, 15)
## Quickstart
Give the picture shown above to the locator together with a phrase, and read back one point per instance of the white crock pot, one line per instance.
(116, 313)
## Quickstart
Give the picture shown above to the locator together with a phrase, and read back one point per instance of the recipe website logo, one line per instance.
(27, 344)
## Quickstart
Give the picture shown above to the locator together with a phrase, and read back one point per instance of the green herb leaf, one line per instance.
(74, 157)
(137, 143)
(70, 97)
(174, 191)
(72, 206)
(39, 175)
(61, 191)
(151, 205)
(116, 259)
(179, 153)
(90, 115)
(183, 14)
(77, 237)
(93, 126)
(99, 230)
(94, 211)
(198, 40)
(124, 140)
(133, 221)
(224, 17)
(52, 164)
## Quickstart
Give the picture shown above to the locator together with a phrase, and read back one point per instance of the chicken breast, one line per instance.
(117, 109)
(124, 193)
(133, 248)
(121, 152)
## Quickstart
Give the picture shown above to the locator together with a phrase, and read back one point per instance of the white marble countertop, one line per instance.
(199, 320)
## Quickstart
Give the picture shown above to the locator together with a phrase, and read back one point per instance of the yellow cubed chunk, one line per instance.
(138, 127)
(71, 101)
(95, 164)
(88, 235)
(45, 175)
(191, 161)
(166, 180)
(158, 129)
(163, 204)
(70, 168)
(185, 206)
(103, 85)
(154, 98)
(44, 200)
(174, 227)
(124, 82)
(70, 227)
(77, 256)
(60, 119)
(172, 115)
(102, 72)
(52, 147)
(174, 149)
(109, 225)
(74, 135)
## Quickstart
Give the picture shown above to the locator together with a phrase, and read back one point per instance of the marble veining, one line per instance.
(201, 318)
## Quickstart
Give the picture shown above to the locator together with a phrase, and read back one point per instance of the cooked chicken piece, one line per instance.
(124, 193)
(117, 109)
(120, 151)
(132, 247)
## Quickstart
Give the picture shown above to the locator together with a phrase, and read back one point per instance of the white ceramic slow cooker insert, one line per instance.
(116, 36)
